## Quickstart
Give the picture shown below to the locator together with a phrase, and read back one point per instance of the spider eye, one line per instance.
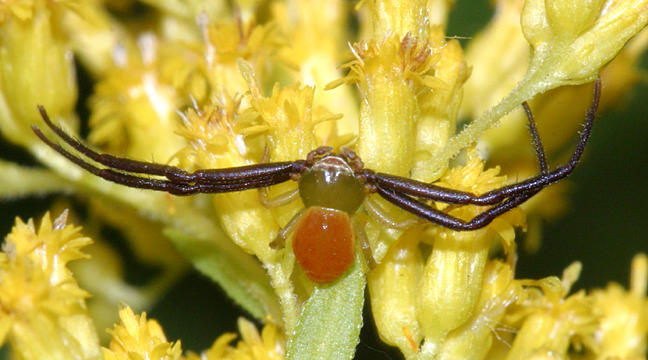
(330, 183)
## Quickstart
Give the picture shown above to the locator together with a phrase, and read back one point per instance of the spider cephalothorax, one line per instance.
(330, 185)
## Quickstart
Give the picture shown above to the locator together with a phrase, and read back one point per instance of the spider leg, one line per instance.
(173, 187)
(529, 186)
(279, 200)
(420, 189)
(382, 217)
(359, 226)
(282, 235)
(535, 138)
(546, 178)
(106, 159)
(438, 217)
(237, 175)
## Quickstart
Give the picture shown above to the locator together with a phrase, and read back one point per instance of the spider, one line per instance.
(331, 186)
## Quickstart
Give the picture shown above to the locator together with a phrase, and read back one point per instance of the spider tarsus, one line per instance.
(535, 138)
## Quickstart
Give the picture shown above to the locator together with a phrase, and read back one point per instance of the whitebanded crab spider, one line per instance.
(331, 186)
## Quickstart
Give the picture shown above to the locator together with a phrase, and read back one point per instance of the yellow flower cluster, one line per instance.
(265, 346)
(203, 85)
(138, 338)
(43, 308)
(44, 314)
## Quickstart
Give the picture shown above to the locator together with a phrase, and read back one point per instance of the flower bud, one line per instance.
(572, 40)
(36, 68)
(393, 291)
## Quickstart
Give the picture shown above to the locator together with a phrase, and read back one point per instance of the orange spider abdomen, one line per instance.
(323, 244)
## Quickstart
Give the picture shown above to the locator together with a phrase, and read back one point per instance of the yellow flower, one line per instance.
(289, 115)
(394, 69)
(21, 9)
(139, 338)
(590, 33)
(216, 140)
(317, 38)
(494, 76)
(44, 315)
(624, 316)
(209, 85)
(571, 41)
(253, 346)
(34, 68)
(134, 107)
(228, 42)
(478, 336)
(416, 299)
(548, 320)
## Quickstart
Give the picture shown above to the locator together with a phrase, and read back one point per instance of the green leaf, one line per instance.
(239, 274)
(331, 319)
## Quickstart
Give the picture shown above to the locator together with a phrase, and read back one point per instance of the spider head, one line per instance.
(331, 183)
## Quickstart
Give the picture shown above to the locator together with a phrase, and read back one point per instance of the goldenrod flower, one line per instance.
(417, 299)
(139, 338)
(624, 315)
(494, 76)
(550, 317)
(34, 68)
(205, 85)
(253, 346)
(44, 315)
(591, 33)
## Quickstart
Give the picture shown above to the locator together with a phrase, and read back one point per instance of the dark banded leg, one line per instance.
(173, 187)
(241, 175)
(438, 217)
(427, 191)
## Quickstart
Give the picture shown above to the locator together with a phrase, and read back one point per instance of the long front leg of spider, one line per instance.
(179, 182)
(400, 191)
